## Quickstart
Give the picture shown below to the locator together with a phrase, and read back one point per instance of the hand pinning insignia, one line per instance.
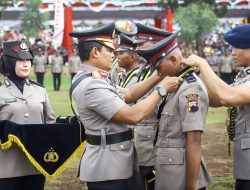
(192, 102)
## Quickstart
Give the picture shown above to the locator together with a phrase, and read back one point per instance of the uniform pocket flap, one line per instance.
(175, 157)
(245, 143)
(121, 146)
(168, 111)
(145, 135)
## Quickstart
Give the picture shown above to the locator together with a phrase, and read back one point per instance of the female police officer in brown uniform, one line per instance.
(25, 102)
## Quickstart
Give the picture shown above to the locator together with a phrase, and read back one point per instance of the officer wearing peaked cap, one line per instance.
(145, 131)
(236, 95)
(128, 60)
(182, 116)
(116, 71)
(108, 159)
(24, 102)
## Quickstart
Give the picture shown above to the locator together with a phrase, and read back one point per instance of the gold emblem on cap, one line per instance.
(96, 75)
(23, 46)
(51, 156)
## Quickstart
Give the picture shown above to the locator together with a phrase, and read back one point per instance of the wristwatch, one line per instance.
(161, 91)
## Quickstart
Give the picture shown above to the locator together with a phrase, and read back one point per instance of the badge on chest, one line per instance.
(192, 102)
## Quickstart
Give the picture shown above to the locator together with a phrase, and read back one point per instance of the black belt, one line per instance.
(110, 139)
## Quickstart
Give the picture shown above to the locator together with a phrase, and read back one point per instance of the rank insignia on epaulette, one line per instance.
(192, 102)
(96, 75)
(189, 77)
(7, 82)
(104, 74)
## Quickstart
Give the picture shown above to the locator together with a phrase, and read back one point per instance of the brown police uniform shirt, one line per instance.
(242, 132)
(74, 63)
(31, 107)
(57, 64)
(145, 132)
(97, 101)
(184, 111)
(40, 63)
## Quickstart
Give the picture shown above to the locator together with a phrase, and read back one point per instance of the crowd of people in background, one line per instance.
(213, 48)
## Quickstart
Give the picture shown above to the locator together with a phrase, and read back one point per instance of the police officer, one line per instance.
(128, 60)
(179, 163)
(116, 71)
(57, 68)
(237, 94)
(40, 63)
(108, 158)
(145, 130)
(74, 63)
(24, 102)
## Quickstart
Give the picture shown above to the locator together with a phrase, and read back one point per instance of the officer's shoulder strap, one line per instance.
(74, 84)
(33, 82)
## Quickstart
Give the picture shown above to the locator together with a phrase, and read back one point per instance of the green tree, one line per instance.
(195, 20)
(31, 18)
(219, 10)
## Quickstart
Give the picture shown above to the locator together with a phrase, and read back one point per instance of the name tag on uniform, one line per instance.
(11, 100)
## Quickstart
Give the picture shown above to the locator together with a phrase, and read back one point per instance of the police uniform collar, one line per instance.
(184, 71)
(92, 69)
(187, 74)
(244, 72)
(27, 82)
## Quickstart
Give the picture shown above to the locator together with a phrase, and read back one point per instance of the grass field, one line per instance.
(219, 164)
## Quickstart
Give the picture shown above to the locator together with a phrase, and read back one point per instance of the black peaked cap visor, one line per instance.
(25, 55)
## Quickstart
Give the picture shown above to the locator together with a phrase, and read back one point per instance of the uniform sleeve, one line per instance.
(193, 106)
(49, 115)
(103, 98)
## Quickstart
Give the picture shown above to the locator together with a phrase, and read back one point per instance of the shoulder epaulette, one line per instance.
(33, 82)
(187, 74)
(189, 77)
(7, 82)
